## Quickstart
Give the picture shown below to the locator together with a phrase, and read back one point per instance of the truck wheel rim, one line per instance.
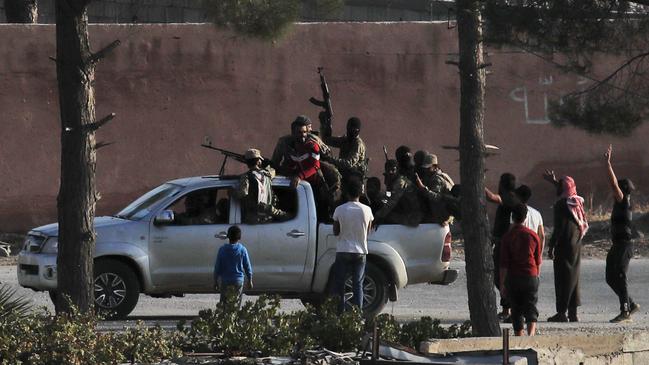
(369, 291)
(110, 290)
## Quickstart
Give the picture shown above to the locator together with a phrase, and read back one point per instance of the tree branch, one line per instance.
(91, 127)
(95, 57)
(611, 75)
(102, 144)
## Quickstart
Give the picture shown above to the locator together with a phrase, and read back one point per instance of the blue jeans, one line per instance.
(346, 263)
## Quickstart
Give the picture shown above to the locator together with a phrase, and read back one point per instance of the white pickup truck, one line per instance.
(147, 248)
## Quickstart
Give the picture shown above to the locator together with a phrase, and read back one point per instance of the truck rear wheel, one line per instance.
(116, 288)
(375, 290)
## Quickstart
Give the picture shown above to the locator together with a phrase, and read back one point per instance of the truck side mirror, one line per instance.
(164, 217)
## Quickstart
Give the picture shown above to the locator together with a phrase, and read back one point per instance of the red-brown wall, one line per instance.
(172, 84)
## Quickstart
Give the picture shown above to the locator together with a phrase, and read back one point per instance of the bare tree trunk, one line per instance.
(77, 196)
(475, 225)
(21, 11)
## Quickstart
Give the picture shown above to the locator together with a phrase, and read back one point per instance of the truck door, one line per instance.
(279, 250)
(182, 253)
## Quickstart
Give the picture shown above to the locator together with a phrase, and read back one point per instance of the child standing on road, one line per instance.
(231, 267)
(520, 261)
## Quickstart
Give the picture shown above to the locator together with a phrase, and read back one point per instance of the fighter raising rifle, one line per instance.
(325, 103)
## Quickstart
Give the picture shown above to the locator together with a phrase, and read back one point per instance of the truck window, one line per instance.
(200, 207)
(286, 200)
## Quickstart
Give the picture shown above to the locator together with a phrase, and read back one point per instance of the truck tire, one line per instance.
(116, 289)
(375, 290)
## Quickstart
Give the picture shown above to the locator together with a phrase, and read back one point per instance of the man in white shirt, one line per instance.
(352, 225)
(534, 220)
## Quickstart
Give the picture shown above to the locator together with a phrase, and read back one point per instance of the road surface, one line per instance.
(448, 303)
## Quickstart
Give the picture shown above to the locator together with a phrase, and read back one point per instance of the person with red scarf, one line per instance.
(564, 248)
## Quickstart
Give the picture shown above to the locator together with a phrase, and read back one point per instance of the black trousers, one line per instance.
(504, 302)
(522, 292)
(617, 265)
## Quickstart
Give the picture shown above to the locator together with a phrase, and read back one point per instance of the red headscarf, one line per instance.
(575, 203)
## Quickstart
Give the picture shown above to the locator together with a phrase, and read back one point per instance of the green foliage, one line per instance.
(572, 27)
(616, 117)
(257, 328)
(411, 334)
(328, 8)
(265, 19)
(72, 339)
(388, 325)
(148, 345)
(334, 331)
(582, 31)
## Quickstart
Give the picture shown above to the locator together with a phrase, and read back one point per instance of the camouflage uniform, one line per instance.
(437, 193)
(352, 158)
(255, 211)
(402, 206)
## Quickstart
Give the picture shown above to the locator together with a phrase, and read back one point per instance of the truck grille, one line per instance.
(29, 269)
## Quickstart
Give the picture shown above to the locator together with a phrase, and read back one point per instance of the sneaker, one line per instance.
(502, 315)
(622, 317)
(507, 319)
(559, 317)
(573, 318)
(634, 308)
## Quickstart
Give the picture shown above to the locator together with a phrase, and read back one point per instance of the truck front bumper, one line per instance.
(36, 270)
(450, 275)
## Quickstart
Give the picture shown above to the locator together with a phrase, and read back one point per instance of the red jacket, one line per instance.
(520, 251)
(305, 161)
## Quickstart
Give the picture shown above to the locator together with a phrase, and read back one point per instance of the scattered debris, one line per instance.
(5, 249)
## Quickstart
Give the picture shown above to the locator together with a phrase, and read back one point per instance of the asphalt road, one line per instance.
(448, 303)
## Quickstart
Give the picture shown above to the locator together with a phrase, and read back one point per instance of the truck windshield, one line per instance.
(143, 205)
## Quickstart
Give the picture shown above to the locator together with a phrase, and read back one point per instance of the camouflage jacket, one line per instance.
(352, 157)
(402, 206)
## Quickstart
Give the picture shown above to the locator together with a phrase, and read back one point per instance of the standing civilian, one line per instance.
(564, 247)
(621, 252)
(352, 224)
(520, 263)
(231, 267)
(506, 200)
(534, 219)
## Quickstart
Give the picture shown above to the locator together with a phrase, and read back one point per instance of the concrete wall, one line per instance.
(171, 85)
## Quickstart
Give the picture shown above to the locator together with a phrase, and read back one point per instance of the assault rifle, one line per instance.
(207, 143)
(325, 103)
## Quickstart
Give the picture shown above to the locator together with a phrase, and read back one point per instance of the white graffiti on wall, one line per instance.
(520, 95)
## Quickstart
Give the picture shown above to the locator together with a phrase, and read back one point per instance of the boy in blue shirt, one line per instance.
(231, 266)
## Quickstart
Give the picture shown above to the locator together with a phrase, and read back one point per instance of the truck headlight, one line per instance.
(51, 245)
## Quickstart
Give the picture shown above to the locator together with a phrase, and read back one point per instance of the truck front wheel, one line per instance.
(116, 288)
